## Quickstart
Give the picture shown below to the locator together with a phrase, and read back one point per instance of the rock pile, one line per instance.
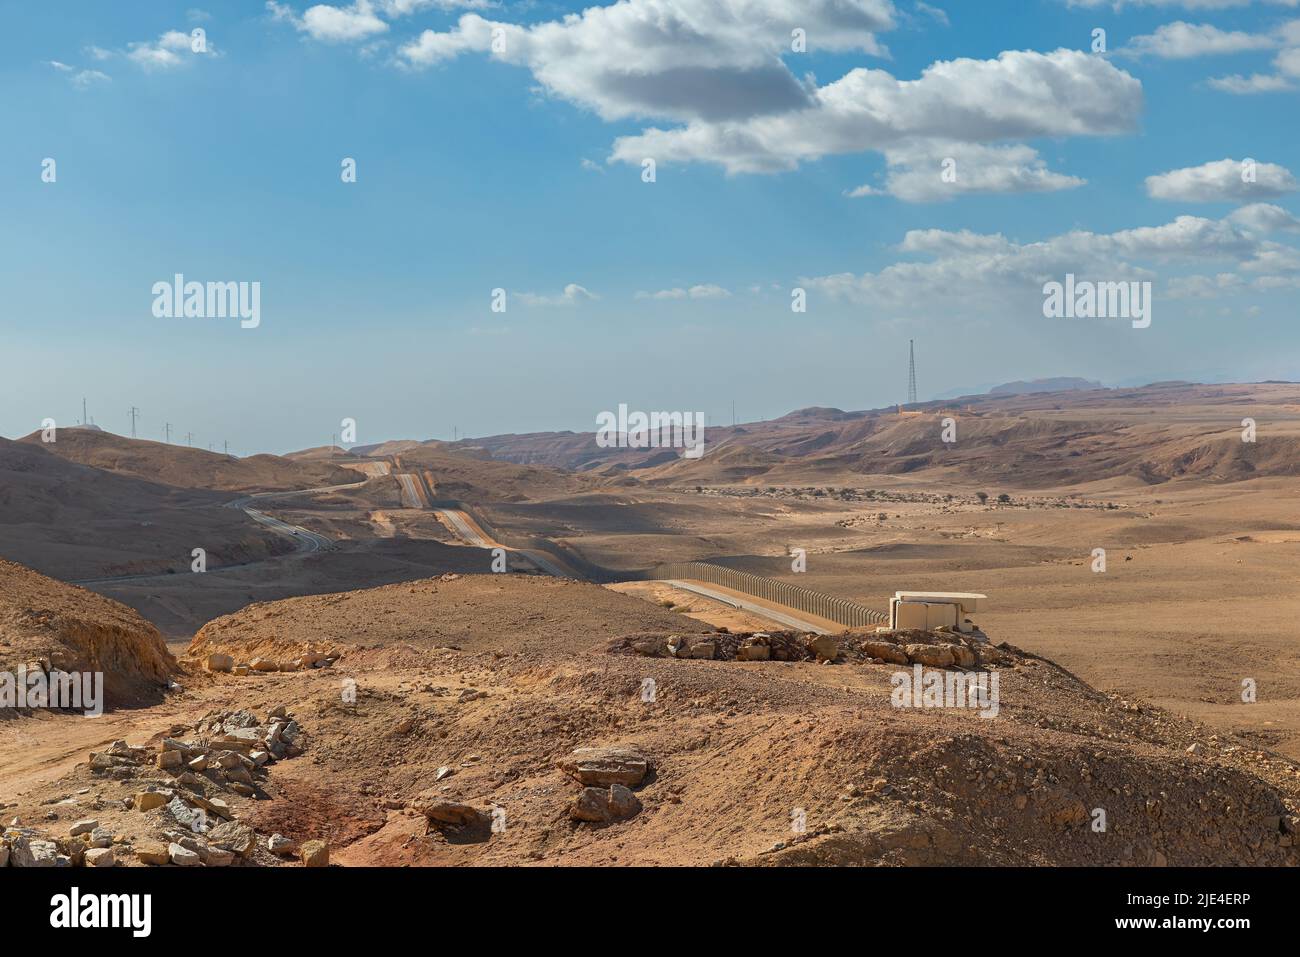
(941, 648)
(218, 661)
(187, 778)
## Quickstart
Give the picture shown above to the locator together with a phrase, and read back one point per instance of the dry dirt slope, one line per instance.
(497, 677)
(71, 629)
(184, 467)
(78, 522)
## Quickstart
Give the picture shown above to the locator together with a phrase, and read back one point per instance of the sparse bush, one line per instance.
(982, 496)
(1004, 499)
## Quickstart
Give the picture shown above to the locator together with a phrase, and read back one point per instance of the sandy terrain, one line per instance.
(1122, 689)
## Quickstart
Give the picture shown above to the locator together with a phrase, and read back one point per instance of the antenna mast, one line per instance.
(911, 373)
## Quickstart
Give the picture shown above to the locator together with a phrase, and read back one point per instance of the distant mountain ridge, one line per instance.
(1054, 384)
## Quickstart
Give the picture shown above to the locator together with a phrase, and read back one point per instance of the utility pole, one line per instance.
(733, 413)
(133, 412)
(167, 429)
(911, 373)
(225, 448)
(334, 439)
(189, 439)
(84, 420)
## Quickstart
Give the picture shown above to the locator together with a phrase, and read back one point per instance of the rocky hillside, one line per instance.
(64, 628)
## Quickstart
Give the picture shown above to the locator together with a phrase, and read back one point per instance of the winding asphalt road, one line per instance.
(306, 540)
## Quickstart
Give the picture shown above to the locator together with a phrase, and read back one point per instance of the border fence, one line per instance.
(839, 610)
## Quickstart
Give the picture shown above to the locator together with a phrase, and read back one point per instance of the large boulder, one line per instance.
(601, 767)
(936, 656)
(604, 805)
(451, 813)
(823, 647)
(885, 651)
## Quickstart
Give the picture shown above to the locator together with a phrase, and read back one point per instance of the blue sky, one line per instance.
(520, 168)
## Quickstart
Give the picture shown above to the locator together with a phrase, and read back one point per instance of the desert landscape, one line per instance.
(531, 650)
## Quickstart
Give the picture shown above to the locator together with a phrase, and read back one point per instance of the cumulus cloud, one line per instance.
(1255, 83)
(572, 295)
(988, 272)
(1019, 95)
(1186, 4)
(723, 70)
(706, 59)
(1264, 218)
(1180, 41)
(1223, 180)
(333, 24)
(931, 170)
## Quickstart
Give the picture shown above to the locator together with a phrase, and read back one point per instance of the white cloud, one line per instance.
(81, 79)
(703, 291)
(572, 295)
(702, 59)
(332, 24)
(1223, 180)
(1264, 218)
(84, 79)
(1186, 4)
(974, 272)
(931, 170)
(1204, 287)
(1288, 61)
(1019, 95)
(1255, 83)
(168, 52)
(1180, 41)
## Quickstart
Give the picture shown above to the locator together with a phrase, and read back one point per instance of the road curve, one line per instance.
(306, 540)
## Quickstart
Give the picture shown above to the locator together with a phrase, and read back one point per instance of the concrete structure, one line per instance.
(931, 609)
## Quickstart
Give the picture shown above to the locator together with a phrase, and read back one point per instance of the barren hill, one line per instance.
(1025, 439)
(70, 629)
(497, 679)
(76, 522)
(187, 467)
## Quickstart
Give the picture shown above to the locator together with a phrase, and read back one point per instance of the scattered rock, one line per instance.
(315, 854)
(148, 800)
(100, 857)
(280, 845)
(219, 662)
(151, 852)
(183, 857)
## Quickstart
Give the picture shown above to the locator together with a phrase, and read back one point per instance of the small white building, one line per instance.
(928, 610)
